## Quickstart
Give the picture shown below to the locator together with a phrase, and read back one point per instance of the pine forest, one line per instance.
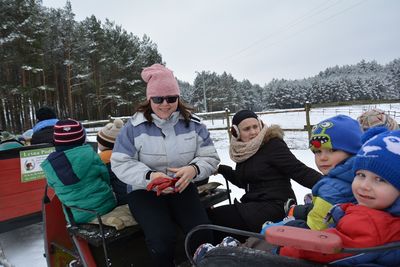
(89, 70)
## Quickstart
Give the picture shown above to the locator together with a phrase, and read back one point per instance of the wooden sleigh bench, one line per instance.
(102, 245)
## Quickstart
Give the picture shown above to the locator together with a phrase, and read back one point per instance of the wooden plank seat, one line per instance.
(91, 233)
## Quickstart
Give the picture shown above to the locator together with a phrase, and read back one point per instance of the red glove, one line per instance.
(161, 183)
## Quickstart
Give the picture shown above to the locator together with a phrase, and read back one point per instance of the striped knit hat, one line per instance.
(106, 136)
(69, 132)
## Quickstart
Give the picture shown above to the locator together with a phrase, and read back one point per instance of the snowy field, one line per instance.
(24, 247)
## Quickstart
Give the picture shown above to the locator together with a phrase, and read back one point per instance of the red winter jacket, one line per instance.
(359, 227)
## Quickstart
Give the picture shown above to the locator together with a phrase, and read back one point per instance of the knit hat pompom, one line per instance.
(69, 132)
(339, 132)
(380, 154)
(107, 135)
(118, 123)
(376, 117)
(160, 81)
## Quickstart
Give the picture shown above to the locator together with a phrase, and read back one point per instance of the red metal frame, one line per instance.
(305, 239)
(18, 200)
(60, 248)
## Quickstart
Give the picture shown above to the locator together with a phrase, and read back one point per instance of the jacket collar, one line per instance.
(138, 118)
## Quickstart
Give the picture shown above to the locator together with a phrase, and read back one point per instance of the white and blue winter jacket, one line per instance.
(142, 147)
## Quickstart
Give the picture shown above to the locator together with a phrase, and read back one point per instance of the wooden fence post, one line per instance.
(228, 123)
(308, 108)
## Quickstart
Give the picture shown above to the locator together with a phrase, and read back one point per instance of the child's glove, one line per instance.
(289, 204)
(300, 212)
(161, 183)
(308, 198)
(269, 224)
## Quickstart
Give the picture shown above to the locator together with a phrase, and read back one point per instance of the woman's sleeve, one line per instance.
(206, 156)
(124, 160)
(287, 163)
(229, 174)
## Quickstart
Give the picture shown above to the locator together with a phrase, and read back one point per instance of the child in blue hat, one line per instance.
(334, 142)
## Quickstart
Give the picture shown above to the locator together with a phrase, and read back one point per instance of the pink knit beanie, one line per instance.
(160, 81)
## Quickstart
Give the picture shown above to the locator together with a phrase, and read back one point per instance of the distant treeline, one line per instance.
(91, 69)
(368, 81)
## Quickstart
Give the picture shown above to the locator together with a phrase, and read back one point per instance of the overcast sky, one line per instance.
(256, 40)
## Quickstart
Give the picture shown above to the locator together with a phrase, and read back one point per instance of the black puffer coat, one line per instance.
(266, 175)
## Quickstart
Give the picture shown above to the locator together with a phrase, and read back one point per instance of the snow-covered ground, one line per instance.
(24, 247)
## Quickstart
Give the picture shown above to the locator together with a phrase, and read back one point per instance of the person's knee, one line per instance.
(219, 216)
(162, 245)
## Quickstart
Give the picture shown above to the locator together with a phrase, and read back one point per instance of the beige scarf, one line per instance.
(240, 151)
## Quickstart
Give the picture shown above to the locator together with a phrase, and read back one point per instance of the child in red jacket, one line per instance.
(375, 220)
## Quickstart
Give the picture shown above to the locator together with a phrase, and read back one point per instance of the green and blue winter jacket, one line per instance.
(80, 179)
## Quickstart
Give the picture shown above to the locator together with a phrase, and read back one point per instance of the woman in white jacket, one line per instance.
(163, 139)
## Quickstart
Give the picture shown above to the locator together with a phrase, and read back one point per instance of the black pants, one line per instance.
(158, 216)
(248, 216)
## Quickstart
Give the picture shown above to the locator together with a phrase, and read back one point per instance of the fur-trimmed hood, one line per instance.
(273, 131)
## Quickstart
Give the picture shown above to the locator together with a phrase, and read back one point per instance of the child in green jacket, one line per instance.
(77, 174)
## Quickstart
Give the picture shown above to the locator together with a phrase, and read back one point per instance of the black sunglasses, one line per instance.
(160, 99)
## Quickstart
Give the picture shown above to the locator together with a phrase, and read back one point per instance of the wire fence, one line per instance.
(303, 120)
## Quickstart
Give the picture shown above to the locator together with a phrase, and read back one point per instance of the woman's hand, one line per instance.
(185, 175)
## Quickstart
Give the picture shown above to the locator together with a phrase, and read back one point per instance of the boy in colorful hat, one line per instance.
(334, 143)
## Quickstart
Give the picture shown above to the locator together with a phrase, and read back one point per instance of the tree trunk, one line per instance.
(69, 91)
